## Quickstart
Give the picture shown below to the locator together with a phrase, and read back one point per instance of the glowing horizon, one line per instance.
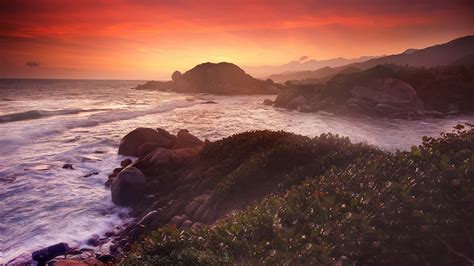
(147, 39)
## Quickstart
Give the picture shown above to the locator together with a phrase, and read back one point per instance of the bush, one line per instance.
(411, 207)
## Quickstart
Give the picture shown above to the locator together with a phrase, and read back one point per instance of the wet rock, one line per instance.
(46, 254)
(68, 262)
(185, 139)
(130, 144)
(113, 248)
(136, 232)
(94, 241)
(108, 183)
(68, 166)
(267, 102)
(117, 170)
(126, 162)
(128, 187)
(285, 97)
(305, 108)
(106, 258)
(91, 174)
(297, 101)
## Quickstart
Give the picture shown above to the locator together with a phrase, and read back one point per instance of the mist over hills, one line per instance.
(302, 64)
(437, 55)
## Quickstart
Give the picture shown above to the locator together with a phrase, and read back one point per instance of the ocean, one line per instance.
(45, 124)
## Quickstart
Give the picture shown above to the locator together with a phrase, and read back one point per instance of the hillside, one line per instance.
(333, 203)
(438, 55)
(302, 65)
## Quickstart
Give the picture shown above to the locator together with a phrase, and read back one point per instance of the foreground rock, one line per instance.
(220, 78)
(130, 144)
(128, 187)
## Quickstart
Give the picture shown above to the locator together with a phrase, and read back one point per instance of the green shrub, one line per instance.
(413, 207)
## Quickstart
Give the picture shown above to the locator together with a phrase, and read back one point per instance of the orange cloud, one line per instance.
(149, 39)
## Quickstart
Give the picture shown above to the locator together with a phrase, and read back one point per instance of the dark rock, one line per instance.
(186, 140)
(136, 232)
(94, 240)
(109, 234)
(209, 102)
(297, 101)
(68, 166)
(46, 254)
(113, 248)
(148, 218)
(126, 162)
(128, 187)
(91, 174)
(117, 170)
(146, 148)
(158, 157)
(108, 183)
(166, 134)
(305, 108)
(267, 102)
(130, 144)
(106, 258)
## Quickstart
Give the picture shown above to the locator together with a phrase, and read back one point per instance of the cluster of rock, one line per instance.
(220, 78)
(381, 97)
(384, 90)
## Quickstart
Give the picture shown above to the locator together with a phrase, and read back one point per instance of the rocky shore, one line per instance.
(385, 91)
(179, 184)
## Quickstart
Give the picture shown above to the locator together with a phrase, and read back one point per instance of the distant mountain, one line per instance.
(438, 55)
(304, 64)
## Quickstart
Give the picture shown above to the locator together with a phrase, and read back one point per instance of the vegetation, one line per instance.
(413, 207)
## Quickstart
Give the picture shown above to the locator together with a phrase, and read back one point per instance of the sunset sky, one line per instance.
(147, 39)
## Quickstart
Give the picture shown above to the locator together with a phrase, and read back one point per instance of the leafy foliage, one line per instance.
(413, 207)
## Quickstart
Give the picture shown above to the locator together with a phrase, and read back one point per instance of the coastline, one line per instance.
(180, 194)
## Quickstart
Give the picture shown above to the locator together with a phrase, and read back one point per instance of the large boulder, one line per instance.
(294, 103)
(159, 157)
(285, 97)
(130, 144)
(176, 76)
(185, 139)
(128, 187)
(388, 92)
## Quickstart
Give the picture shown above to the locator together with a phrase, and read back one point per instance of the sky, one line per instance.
(149, 39)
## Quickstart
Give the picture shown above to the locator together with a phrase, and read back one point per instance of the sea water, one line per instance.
(45, 124)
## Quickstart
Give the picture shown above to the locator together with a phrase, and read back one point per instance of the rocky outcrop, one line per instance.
(387, 91)
(220, 78)
(131, 143)
(128, 187)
